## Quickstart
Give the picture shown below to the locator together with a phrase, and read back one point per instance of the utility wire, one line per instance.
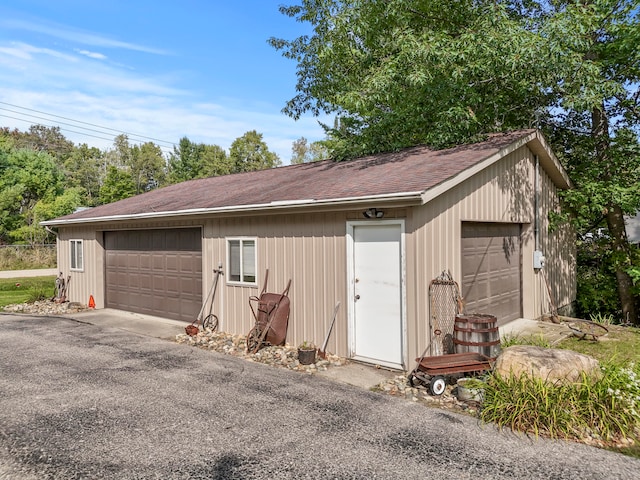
(85, 134)
(64, 123)
(130, 135)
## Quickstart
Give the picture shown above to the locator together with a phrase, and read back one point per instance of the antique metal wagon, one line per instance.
(433, 371)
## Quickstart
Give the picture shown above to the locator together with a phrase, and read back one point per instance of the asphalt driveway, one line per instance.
(84, 401)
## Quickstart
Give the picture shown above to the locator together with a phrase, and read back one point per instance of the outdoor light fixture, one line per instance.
(373, 213)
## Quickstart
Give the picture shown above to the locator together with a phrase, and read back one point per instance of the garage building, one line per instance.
(370, 233)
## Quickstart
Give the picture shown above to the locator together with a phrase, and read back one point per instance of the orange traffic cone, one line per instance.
(92, 302)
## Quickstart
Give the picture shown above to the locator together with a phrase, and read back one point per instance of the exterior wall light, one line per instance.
(373, 213)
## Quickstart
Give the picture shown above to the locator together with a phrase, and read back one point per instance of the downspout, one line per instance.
(538, 256)
(536, 203)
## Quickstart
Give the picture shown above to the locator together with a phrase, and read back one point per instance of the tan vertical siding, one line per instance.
(558, 245)
(90, 281)
(504, 192)
(309, 249)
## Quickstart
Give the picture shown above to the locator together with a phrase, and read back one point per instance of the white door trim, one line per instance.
(351, 288)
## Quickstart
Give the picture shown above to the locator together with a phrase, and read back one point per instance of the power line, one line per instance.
(166, 149)
(81, 122)
(58, 123)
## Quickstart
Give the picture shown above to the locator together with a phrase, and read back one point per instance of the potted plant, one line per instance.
(306, 353)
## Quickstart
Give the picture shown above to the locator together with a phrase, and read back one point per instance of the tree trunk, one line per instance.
(620, 243)
(615, 219)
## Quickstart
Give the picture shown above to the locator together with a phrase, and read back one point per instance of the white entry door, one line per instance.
(376, 289)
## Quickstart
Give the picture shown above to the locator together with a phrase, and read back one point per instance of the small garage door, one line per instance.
(491, 270)
(155, 272)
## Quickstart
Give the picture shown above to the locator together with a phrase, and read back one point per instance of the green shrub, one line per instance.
(603, 319)
(604, 410)
(597, 290)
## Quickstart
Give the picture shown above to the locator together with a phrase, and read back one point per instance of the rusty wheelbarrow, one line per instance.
(271, 318)
(433, 371)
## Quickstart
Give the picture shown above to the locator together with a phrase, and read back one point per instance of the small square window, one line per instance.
(242, 260)
(76, 255)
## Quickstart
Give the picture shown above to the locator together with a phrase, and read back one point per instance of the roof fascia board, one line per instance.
(408, 198)
(550, 162)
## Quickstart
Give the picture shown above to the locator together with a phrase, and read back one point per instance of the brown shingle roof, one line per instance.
(414, 169)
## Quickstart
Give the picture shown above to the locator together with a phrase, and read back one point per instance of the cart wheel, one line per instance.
(210, 321)
(437, 385)
(253, 340)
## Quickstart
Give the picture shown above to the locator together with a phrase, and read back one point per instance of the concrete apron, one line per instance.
(148, 325)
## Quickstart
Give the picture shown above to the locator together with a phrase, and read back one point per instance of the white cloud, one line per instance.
(95, 55)
(85, 38)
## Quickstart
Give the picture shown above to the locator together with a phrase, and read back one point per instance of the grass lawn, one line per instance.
(20, 290)
(621, 345)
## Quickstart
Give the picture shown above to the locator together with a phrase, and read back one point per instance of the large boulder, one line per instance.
(549, 364)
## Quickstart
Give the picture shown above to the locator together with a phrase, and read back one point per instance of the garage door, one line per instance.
(155, 272)
(491, 270)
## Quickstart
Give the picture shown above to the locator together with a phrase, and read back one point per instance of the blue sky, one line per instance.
(160, 69)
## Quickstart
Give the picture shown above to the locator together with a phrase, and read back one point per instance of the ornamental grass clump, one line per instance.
(603, 411)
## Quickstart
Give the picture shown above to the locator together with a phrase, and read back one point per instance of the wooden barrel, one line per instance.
(476, 333)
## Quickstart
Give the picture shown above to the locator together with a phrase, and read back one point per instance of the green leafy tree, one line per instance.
(46, 209)
(84, 168)
(249, 152)
(147, 166)
(405, 72)
(118, 184)
(214, 162)
(27, 178)
(196, 160)
(144, 163)
(45, 139)
(304, 152)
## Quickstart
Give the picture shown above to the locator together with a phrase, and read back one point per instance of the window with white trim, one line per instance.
(242, 260)
(77, 262)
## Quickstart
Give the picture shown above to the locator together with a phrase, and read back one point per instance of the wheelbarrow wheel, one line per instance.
(210, 321)
(437, 385)
(253, 340)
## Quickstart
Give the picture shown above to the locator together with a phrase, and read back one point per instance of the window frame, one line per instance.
(73, 255)
(241, 241)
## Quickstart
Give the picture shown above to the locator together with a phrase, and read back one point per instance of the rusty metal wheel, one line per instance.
(253, 340)
(210, 321)
(586, 329)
